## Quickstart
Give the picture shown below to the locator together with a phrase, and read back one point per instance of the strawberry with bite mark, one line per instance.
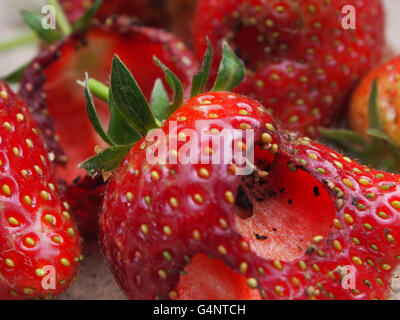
(36, 230)
(302, 63)
(289, 230)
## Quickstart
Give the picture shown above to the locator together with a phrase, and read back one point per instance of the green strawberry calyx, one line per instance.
(132, 116)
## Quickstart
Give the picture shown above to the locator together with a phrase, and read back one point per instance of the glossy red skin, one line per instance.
(147, 265)
(16, 281)
(331, 58)
(174, 15)
(387, 76)
(65, 101)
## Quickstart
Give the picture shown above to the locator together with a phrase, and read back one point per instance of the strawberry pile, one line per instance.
(195, 171)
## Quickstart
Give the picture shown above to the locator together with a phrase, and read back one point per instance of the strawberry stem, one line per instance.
(99, 89)
(21, 40)
(62, 20)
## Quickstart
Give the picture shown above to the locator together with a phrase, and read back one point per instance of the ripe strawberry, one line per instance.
(175, 15)
(36, 230)
(289, 229)
(301, 63)
(56, 81)
(388, 78)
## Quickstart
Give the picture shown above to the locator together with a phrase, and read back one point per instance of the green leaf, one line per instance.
(379, 135)
(34, 22)
(231, 71)
(159, 100)
(16, 76)
(373, 108)
(176, 86)
(94, 119)
(107, 160)
(200, 80)
(344, 137)
(119, 129)
(84, 22)
(129, 99)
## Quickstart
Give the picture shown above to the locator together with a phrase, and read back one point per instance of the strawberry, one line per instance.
(302, 63)
(388, 78)
(175, 15)
(56, 80)
(36, 230)
(291, 229)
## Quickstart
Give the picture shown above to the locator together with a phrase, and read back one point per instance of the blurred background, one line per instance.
(11, 25)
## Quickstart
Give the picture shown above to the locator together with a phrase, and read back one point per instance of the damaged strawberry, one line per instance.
(303, 219)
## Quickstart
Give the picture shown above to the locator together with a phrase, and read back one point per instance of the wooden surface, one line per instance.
(94, 279)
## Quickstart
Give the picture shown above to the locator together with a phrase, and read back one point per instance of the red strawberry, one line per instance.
(92, 54)
(175, 15)
(292, 228)
(314, 213)
(36, 230)
(302, 63)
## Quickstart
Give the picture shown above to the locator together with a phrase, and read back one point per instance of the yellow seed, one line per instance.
(223, 223)
(198, 198)
(66, 215)
(266, 138)
(390, 238)
(30, 241)
(386, 266)
(20, 117)
(222, 250)
(252, 283)
(338, 164)
(348, 183)
(174, 202)
(155, 175)
(162, 274)
(6, 190)
(337, 245)
(348, 218)
(49, 218)
(66, 205)
(270, 127)
(295, 281)
(277, 264)
(27, 200)
(29, 143)
(3, 94)
(129, 196)
(16, 151)
(144, 228)
(243, 112)
(65, 262)
(243, 267)
(40, 272)
(57, 239)
(229, 197)
(337, 223)
(313, 156)
(203, 173)
(45, 195)
(396, 204)
(71, 232)
(13, 221)
(318, 239)
(28, 290)
(10, 263)
(364, 182)
(302, 265)
(357, 260)
(278, 290)
(167, 230)
(196, 235)
(7, 125)
(274, 148)
(206, 102)
(37, 169)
